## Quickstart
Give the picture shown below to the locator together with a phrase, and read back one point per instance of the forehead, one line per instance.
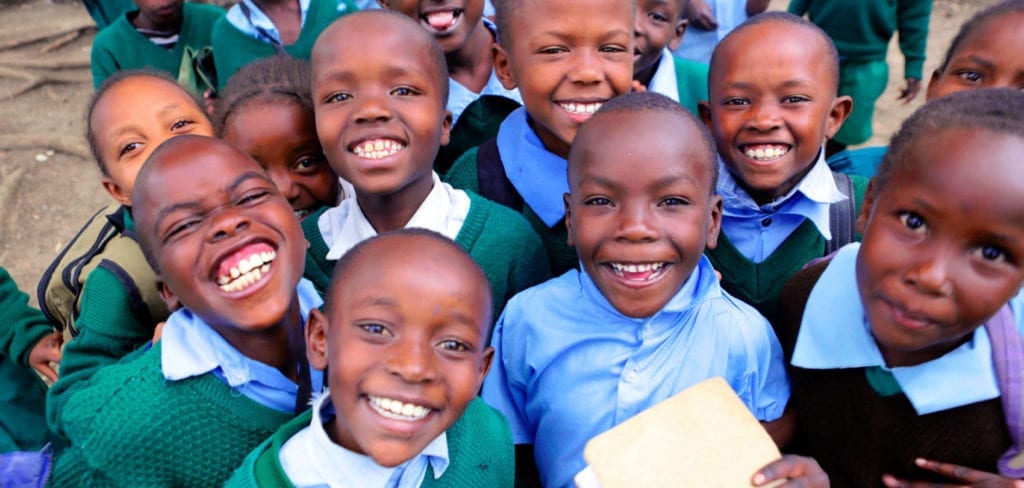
(565, 17)
(793, 50)
(345, 48)
(1001, 32)
(197, 167)
(139, 97)
(675, 5)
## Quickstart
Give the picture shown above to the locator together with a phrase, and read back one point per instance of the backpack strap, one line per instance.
(494, 183)
(841, 215)
(1008, 356)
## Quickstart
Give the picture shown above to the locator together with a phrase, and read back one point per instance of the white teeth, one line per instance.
(397, 410)
(653, 268)
(581, 108)
(248, 271)
(377, 149)
(766, 153)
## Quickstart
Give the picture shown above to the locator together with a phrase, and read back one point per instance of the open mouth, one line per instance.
(581, 109)
(765, 152)
(245, 267)
(638, 272)
(377, 148)
(442, 20)
(398, 410)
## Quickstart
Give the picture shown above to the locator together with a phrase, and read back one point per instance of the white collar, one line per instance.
(664, 79)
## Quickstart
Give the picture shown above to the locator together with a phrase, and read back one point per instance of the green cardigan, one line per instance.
(479, 450)
(692, 83)
(131, 427)
(120, 46)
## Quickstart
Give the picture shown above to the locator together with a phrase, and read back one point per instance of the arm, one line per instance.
(798, 471)
(701, 16)
(912, 22)
(962, 476)
(26, 337)
(798, 7)
(101, 61)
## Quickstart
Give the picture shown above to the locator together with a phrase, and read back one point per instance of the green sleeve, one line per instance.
(463, 174)
(798, 7)
(530, 264)
(102, 62)
(913, 17)
(21, 326)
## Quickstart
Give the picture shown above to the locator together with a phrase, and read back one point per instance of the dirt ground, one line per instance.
(49, 185)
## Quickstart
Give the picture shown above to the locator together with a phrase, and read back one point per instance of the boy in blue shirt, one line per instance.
(645, 318)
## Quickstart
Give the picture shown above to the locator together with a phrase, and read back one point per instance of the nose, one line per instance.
(638, 28)
(765, 117)
(931, 273)
(284, 183)
(586, 68)
(226, 223)
(635, 224)
(411, 360)
(373, 108)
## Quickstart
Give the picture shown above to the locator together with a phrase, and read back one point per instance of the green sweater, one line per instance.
(131, 427)
(861, 29)
(22, 393)
(692, 82)
(120, 46)
(233, 48)
(479, 450)
(495, 237)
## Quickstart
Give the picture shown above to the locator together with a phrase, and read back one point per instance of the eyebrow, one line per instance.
(980, 60)
(164, 212)
(791, 83)
(656, 184)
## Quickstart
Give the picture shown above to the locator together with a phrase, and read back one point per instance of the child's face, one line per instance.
(451, 23)
(567, 58)
(159, 13)
(640, 211)
(658, 22)
(771, 106)
(987, 58)
(406, 345)
(943, 244)
(379, 111)
(227, 243)
(132, 119)
(281, 136)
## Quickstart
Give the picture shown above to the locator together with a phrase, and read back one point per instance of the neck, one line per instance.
(142, 22)
(471, 65)
(901, 358)
(264, 5)
(394, 210)
(279, 346)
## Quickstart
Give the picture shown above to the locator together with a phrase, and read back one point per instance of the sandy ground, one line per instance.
(49, 185)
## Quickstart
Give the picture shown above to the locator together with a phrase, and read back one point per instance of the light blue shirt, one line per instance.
(568, 366)
(698, 45)
(758, 230)
(190, 347)
(237, 18)
(539, 175)
(311, 459)
(835, 334)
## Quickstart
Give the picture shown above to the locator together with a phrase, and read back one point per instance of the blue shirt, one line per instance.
(698, 44)
(568, 366)
(459, 97)
(835, 334)
(758, 230)
(190, 347)
(259, 20)
(539, 175)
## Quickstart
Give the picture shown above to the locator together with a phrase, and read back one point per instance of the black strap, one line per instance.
(305, 393)
(841, 215)
(494, 183)
(261, 31)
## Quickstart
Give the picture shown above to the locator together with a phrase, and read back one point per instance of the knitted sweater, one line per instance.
(120, 46)
(496, 238)
(131, 427)
(479, 449)
(861, 29)
(233, 48)
(692, 83)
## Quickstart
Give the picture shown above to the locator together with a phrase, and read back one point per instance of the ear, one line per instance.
(841, 108)
(446, 128)
(168, 296)
(715, 223)
(316, 340)
(677, 34)
(571, 241)
(115, 190)
(503, 67)
(485, 366)
(861, 224)
(933, 84)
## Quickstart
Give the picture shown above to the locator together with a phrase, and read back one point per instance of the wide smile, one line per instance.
(765, 153)
(637, 275)
(244, 268)
(580, 111)
(377, 148)
(393, 409)
(442, 21)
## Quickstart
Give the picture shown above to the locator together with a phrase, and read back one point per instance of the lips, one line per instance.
(636, 274)
(245, 266)
(441, 21)
(376, 148)
(908, 319)
(765, 152)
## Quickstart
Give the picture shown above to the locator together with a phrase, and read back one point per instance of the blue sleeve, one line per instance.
(502, 391)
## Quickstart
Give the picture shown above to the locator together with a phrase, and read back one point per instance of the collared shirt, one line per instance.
(537, 174)
(758, 230)
(698, 44)
(835, 334)
(664, 79)
(260, 20)
(569, 366)
(190, 347)
(311, 459)
(443, 211)
(459, 97)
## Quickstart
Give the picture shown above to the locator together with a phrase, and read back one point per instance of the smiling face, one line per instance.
(380, 111)
(640, 210)
(226, 243)
(281, 137)
(987, 58)
(450, 21)
(658, 22)
(132, 118)
(567, 63)
(158, 14)
(406, 345)
(943, 245)
(772, 105)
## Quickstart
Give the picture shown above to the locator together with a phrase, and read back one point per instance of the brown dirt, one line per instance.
(47, 191)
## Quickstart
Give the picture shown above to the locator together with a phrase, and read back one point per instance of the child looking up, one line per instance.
(228, 369)
(645, 318)
(897, 344)
(381, 119)
(771, 108)
(267, 112)
(658, 24)
(565, 64)
(404, 339)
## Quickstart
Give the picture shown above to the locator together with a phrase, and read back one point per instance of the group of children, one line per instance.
(598, 253)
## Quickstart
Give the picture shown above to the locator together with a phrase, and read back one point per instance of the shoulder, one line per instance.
(201, 12)
(690, 69)
(501, 221)
(463, 173)
(481, 449)
(792, 301)
(535, 303)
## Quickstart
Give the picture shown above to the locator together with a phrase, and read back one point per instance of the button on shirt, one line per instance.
(758, 230)
(568, 366)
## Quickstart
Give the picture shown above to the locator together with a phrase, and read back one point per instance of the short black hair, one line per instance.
(277, 78)
(505, 12)
(978, 20)
(638, 102)
(999, 110)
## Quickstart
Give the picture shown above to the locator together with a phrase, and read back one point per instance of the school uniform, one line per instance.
(682, 80)
(568, 366)
(459, 97)
(862, 161)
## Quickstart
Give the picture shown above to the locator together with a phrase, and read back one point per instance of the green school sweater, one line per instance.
(861, 29)
(22, 393)
(131, 427)
(233, 48)
(480, 453)
(692, 83)
(495, 237)
(120, 46)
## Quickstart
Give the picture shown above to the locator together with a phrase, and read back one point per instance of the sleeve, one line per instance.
(771, 388)
(503, 392)
(21, 326)
(102, 62)
(463, 173)
(798, 7)
(912, 19)
(530, 265)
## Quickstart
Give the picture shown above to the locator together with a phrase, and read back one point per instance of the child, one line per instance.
(226, 372)
(645, 318)
(565, 64)
(161, 34)
(658, 24)
(255, 29)
(709, 21)
(267, 112)
(404, 339)
(116, 304)
(771, 107)
(381, 119)
(891, 366)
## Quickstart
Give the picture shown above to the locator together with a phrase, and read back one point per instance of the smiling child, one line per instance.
(660, 23)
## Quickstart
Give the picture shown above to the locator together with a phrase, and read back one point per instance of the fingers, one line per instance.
(953, 471)
(637, 87)
(910, 91)
(158, 331)
(800, 471)
(46, 370)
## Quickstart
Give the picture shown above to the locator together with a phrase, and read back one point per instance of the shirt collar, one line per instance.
(537, 174)
(664, 79)
(259, 19)
(443, 211)
(701, 285)
(829, 339)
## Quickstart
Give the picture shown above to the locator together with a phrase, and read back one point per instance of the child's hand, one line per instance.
(799, 471)
(637, 87)
(45, 352)
(701, 16)
(963, 475)
(910, 90)
(158, 331)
